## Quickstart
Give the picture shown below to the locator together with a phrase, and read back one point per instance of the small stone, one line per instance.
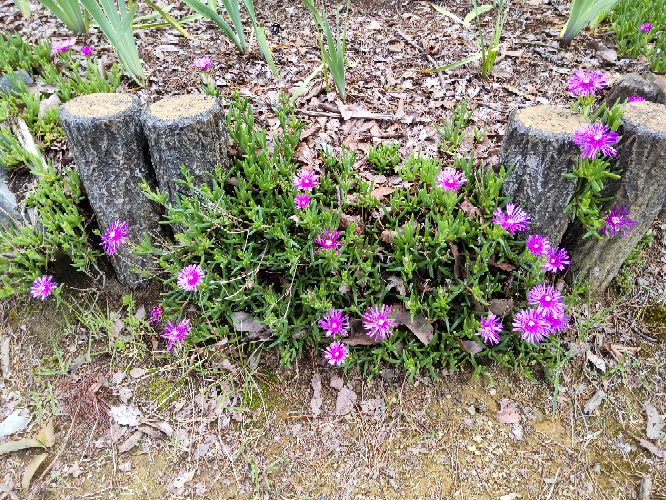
(6, 84)
(492, 391)
(538, 414)
(471, 410)
(137, 372)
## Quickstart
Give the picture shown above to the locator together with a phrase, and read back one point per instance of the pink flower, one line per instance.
(532, 326)
(593, 138)
(329, 241)
(58, 47)
(645, 27)
(451, 179)
(378, 323)
(42, 286)
(190, 277)
(202, 63)
(334, 323)
(305, 180)
(116, 235)
(636, 98)
(86, 51)
(546, 297)
(516, 218)
(156, 314)
(555, 318)
(586, 82)
(490, 329)
(616, 220)
(557, 260)
(302, 200)
(336, 353)
(538, 245)
(176, 333)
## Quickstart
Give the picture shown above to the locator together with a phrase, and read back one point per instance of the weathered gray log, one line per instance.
(538, 141)
(186, 130)
(645, 488)
(633, 84)
(110, 152)
(641, 157)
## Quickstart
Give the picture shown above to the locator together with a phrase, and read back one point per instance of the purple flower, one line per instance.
(616, 220)
(490, 329)
(557, 260)
(451, 179)
(305, 180)
(636, 98)
(115, 235)
(532, 326)
(555, 318)
(516, 218)
(586, 82)
(176, 333)
(156, 314)
(302, 200)
(546, 297)
(86, 51)
(329, 241)
(334, 323)
(190, 277)
(538, 245)
(645, 27)
(42, 286)
(336, 353)
(593, 138)
(378, 323)
(58, 47)
(202, 63)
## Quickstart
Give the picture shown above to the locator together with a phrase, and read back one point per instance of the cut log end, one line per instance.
(174, 108)
(538, 144)
(98, 105)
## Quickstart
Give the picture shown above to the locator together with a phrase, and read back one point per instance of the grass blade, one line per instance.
(455, 64)
(169, 19)
(476, 12)
(209, 13)
(305, 83)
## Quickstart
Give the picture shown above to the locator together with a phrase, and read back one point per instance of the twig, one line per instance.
(554, 483)
(442, 80)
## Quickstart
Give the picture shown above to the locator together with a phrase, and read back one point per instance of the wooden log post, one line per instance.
(109, 148)
(641, 157)
(538, 141)
(186, 130)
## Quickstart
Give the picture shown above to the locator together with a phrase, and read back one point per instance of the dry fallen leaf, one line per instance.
(655, 450)
(470, 346)
(508, 413)
(31, 469)
(125, 415)
(500, 306)
(596, 361)
(420, 327)
(315, 404)
(369, 406)
(130, 442)
(382, 191)
(21, 444)
(345, 402)
(655, 424)
(46, 435)
(337, 382)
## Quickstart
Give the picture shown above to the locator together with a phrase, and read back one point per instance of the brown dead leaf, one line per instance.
(470, 346)
(345, 220)
(161, 425)
(500, 306)
(420, 327)
(345, 402)
(130, 442)
(655, 450)
(469, 209)
(46, 435)
(336, 382)
(31, 469)
(456, 260)
(618, 350)
(357, 335)
(370, 405)
(508, 414)
(315, 404)
(380, 192)
(504, 266)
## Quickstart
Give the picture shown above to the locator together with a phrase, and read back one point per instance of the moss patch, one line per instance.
(655, 315)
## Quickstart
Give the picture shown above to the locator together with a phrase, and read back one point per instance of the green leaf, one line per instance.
(455, 64)
(169, 19)
(450, 14)
(209, 13)
(581, 13)
(481, 9)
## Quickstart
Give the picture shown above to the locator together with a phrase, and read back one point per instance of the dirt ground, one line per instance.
(131, 422)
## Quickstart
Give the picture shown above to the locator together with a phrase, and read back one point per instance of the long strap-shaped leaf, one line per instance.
(209, 13)
(581, 13)
(233, 9)
(261, 38)
(169, 19)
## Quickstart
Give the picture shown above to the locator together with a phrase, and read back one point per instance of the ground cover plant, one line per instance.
(224, 417)
(638, 27)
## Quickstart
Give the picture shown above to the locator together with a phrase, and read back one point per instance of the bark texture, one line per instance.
(633, 84)
(538, 141)
(186, 130)
(106, 139)
(642, 159)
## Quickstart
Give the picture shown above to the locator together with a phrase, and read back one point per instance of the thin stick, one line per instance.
(442, 80)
